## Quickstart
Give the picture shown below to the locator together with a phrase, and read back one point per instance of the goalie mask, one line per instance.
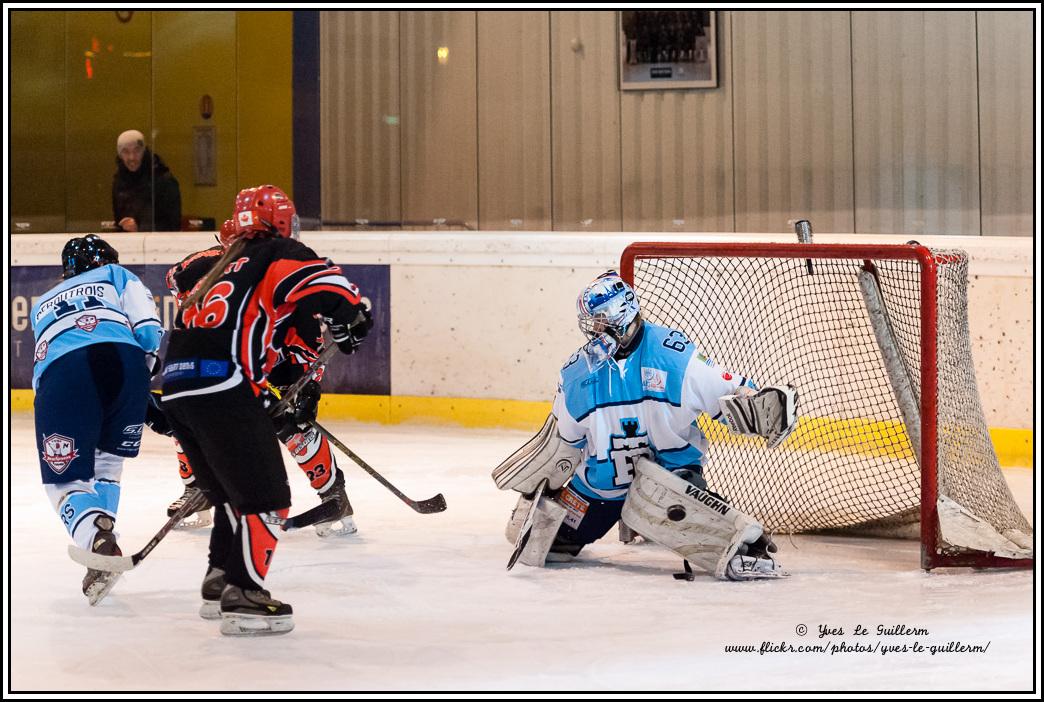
(608, 314)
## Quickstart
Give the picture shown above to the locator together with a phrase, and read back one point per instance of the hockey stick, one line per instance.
(428, 506)
(286, 399)
(323, 512)
(120, 564)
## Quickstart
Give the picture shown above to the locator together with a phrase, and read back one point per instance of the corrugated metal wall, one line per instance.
(793, 103)
(1006, 95)
(359, 98)
(514, 120)
(909, 122)
(916, 122)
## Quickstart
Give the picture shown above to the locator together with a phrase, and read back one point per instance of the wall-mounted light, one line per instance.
(442, 54)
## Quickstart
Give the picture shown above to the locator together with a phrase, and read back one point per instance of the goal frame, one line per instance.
(928, 263)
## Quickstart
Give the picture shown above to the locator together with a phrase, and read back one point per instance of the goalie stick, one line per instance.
(527, 525)
(428, 506)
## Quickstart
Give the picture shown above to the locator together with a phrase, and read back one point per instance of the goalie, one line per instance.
(622, 443)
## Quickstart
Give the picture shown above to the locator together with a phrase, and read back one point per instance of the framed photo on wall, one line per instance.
(662, 49)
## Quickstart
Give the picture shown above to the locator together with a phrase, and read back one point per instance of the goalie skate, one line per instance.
(197, 520)
(754, 568)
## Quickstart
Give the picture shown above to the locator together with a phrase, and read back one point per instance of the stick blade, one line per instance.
(432, 505)
(110, 564)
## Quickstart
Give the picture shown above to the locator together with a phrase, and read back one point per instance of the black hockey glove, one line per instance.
(306, 403)
(349, 337)
(155, 417)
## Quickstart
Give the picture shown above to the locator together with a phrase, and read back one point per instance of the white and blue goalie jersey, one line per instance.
(643, 405)
(108, 304)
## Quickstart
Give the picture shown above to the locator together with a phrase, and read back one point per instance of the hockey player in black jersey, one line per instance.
(215, 386)
(300, 337)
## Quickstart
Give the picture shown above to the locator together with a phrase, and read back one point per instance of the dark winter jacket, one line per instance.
(132, 195)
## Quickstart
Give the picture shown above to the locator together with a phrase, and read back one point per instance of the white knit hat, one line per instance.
(131, 136)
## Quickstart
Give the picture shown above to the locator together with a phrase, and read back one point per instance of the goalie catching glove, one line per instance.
(770, 412)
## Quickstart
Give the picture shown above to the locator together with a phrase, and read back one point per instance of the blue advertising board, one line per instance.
(367, 372)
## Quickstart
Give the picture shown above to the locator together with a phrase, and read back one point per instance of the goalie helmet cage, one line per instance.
(875, 339)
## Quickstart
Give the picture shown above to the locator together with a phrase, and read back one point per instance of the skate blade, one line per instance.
(210, 610)
(101, 587)
(731, 574)
(327, 529)
(255, 624)
(199, 520)
(760, 576)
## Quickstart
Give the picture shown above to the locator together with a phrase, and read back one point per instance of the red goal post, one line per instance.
(875, 338)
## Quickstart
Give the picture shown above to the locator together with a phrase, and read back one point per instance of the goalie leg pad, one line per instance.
(693, 523)
(547, 516)
(546, 455)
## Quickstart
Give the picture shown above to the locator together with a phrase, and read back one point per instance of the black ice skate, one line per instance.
(193, 521)
(253, 613)
(343, 524)
(98, 583)
(213, 586)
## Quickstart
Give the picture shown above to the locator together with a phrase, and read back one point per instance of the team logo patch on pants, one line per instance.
(59, 451)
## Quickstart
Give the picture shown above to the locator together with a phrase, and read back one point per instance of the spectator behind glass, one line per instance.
(145, 194)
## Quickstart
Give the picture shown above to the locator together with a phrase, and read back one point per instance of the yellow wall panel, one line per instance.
(193, 58)
(37, 121)
(112, 95)
(264, 99)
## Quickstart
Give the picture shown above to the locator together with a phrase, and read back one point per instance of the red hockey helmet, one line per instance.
(265, 210)
(228, 232)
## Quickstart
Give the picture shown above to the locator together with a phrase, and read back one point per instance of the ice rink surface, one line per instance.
(423, 602)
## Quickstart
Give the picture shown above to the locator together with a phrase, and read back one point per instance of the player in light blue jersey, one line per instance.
(97, 336)
(633, 394)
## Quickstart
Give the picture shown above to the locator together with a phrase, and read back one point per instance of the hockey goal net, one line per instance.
(891, 432)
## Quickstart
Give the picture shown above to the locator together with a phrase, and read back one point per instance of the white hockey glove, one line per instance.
(771, 412)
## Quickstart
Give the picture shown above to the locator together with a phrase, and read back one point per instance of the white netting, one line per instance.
(850, 464)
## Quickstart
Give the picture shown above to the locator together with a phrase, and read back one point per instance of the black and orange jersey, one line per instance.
(184, 274)
(239, 329)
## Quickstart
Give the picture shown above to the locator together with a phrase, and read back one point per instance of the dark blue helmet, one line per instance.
(86, 252)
